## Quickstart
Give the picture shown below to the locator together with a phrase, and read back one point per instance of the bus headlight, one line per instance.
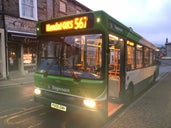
(89, 103)
(37, 91)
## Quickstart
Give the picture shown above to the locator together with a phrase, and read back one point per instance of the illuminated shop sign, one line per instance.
(66, 24)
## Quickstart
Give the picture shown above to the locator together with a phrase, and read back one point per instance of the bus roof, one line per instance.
(105, 22)
(131, 34)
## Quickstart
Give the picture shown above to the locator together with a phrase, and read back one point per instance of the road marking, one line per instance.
(20, 110)
(3, 115)
(13, 116)
(35, 125)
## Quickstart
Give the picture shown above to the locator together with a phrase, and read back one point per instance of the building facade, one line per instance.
(168, 48)
(18, 42)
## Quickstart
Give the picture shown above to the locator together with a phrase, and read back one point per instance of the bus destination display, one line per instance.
(69, 24)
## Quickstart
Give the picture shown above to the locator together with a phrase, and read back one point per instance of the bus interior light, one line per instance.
(98, 20)
(112, 37)
(89, 103)
(37, 91)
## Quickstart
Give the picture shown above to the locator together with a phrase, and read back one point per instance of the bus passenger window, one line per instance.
(130, 64)
(114, 56)
(146, 56)
(151, 57)
(139, 56)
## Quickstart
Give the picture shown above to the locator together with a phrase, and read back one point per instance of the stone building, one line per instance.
(168, 48)
(162, 51)
(18, 42)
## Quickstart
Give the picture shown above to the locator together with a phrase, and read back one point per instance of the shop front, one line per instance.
(22, 48)
(13, 56)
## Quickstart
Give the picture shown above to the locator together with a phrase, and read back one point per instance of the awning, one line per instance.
(22, 37)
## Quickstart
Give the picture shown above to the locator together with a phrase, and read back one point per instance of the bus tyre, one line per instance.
(129, 95)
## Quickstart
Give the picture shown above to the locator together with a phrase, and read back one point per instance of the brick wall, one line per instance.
(42, 9)
(72, 7)
(50, 10)
(47, 9)
(18, 24)
(11, 7)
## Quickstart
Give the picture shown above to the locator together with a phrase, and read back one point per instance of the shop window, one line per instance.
(29, 55)
(13, 54)
(130, 56)
(139, 56)
(28, 9)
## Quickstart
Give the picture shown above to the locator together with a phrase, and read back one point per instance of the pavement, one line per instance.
(17, 80)
(163, 69)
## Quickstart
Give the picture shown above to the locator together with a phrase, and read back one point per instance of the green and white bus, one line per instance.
(91, 63)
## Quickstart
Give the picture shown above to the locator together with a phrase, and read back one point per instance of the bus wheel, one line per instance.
(129, 95)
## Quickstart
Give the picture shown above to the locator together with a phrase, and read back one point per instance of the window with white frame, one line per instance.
(28, 9)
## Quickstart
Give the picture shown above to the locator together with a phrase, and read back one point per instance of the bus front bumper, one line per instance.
(65, 107)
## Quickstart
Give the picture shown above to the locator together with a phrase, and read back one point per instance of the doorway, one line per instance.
(13, 55)
(114, 102)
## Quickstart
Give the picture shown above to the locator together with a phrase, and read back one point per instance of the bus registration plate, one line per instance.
(59, 107)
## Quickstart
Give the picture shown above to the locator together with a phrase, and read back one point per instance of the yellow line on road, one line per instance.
(21, 113)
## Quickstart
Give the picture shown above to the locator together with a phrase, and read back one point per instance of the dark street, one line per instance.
(70, 64)
(18, 110)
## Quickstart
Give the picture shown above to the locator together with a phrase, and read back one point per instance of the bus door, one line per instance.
(114, 74)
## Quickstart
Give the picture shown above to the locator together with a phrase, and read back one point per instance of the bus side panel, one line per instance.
(140, 78)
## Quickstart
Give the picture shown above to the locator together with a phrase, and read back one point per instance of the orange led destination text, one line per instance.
(73, 24)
